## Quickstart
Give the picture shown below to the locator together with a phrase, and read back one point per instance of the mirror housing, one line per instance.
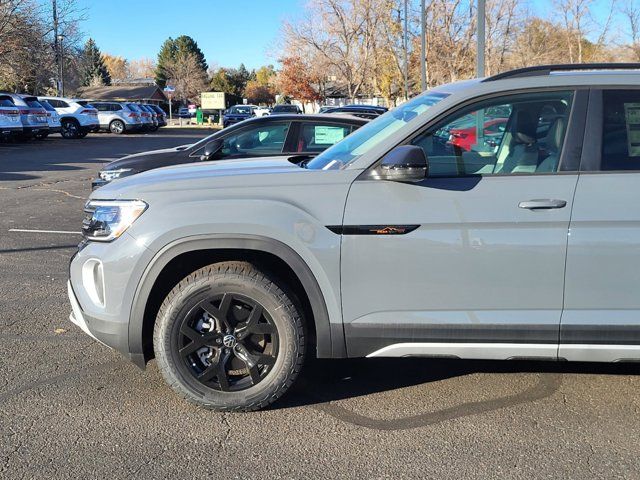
(210, 149)
(405, 163)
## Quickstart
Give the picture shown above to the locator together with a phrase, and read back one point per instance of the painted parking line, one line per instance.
(61, 232)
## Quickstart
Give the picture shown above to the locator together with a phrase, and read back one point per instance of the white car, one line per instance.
(262, 111)
(77, 117)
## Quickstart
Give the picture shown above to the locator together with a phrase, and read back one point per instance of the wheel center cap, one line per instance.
(229, 341)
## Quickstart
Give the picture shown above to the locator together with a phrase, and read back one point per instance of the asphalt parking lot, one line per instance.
(71, 408)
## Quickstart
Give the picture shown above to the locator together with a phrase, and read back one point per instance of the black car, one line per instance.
(237, 113)
(363, 111)
(286, 108)
(299, 136)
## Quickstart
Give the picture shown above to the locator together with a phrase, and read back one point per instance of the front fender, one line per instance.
(327, 316)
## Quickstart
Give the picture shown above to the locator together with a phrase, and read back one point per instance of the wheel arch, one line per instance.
(194, 252)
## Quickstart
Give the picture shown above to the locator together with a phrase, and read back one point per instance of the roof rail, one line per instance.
(540, 70)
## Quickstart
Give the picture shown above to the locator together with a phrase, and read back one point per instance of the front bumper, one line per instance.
(122, 264)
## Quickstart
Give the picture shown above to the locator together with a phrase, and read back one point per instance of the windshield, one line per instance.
(370, 135)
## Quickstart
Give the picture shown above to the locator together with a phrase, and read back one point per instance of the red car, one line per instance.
(465, 138)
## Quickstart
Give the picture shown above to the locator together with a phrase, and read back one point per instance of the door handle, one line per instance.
(542, 204)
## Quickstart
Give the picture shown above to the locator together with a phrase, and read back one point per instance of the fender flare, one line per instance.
(329, 337)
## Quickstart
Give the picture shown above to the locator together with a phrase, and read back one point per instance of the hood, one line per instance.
(152, 159)
(205, 175)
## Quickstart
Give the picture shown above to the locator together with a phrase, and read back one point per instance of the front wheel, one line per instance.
(228, 338)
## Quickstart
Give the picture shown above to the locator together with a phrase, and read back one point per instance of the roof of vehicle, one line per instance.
(321, 117)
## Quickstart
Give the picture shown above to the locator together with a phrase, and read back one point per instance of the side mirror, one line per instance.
(406, 163)
(210, 149)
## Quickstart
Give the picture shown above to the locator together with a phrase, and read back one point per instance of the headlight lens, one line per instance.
(109, 175)
(106, 220)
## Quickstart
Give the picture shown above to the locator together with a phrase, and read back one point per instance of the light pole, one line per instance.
(423, 46)
(60, 39)
(56, 46)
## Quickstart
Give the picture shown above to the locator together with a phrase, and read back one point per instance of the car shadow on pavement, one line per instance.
(325, 382)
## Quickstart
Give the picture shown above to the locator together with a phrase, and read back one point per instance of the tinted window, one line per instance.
(47, 106)
(504, 136)
(317, 137)
(5, 102)
(101, 107)
(621, 130)
(33, 103)
(260, 140)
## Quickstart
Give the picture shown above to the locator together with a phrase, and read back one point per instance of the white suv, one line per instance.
(77, 117)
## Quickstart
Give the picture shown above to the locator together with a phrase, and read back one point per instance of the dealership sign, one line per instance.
(212, 101)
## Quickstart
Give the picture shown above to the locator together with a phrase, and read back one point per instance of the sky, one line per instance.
(228, 32)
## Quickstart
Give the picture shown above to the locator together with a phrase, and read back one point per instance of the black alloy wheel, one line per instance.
(230, 337)
(70, 129)
(227, 343)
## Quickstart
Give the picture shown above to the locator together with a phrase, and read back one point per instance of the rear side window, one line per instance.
(621, 130)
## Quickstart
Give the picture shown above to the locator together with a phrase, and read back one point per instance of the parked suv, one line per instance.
(53, 119)
(162, 116)
(10, 124)
(33, 116)
(77, 117)
(117, 117)
(387, 244)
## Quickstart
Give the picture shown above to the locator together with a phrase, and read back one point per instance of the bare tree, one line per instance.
(631, 13)
(186, 75)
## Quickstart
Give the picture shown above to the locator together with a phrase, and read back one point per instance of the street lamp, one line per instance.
(60, 61)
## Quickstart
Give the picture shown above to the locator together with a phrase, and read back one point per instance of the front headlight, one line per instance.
(106, 220)
(109, 175)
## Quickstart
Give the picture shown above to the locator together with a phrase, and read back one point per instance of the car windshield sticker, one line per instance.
(328, 135)
(632, 117)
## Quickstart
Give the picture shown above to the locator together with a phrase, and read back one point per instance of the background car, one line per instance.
(465, 137)
(162, 116)
(33, 118)
(53, 119)
(146, 122)
(183, 112)
(262, 111)
(285, 108)
(299, 136)
(237, 113)
(10, 124)
(153, 115)
(362, 111)
(117, 117)
(77, 117)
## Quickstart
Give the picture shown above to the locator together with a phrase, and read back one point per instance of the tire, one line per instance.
(42, 136)
(243, 305)
(117, 127)
(83, 134)
(70, 129)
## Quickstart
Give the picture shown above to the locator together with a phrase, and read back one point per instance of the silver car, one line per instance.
(32, 115)
(146, 120)
(117, 117)
(10, 124)
(388, 244)
(53, 118)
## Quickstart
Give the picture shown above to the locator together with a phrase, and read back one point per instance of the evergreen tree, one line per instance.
(94, 70)
(178, 49)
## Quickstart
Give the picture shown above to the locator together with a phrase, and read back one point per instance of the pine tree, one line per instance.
(177, 50)
(94, 70)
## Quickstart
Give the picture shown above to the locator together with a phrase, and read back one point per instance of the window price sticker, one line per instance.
(632, 117)
(325, 135)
